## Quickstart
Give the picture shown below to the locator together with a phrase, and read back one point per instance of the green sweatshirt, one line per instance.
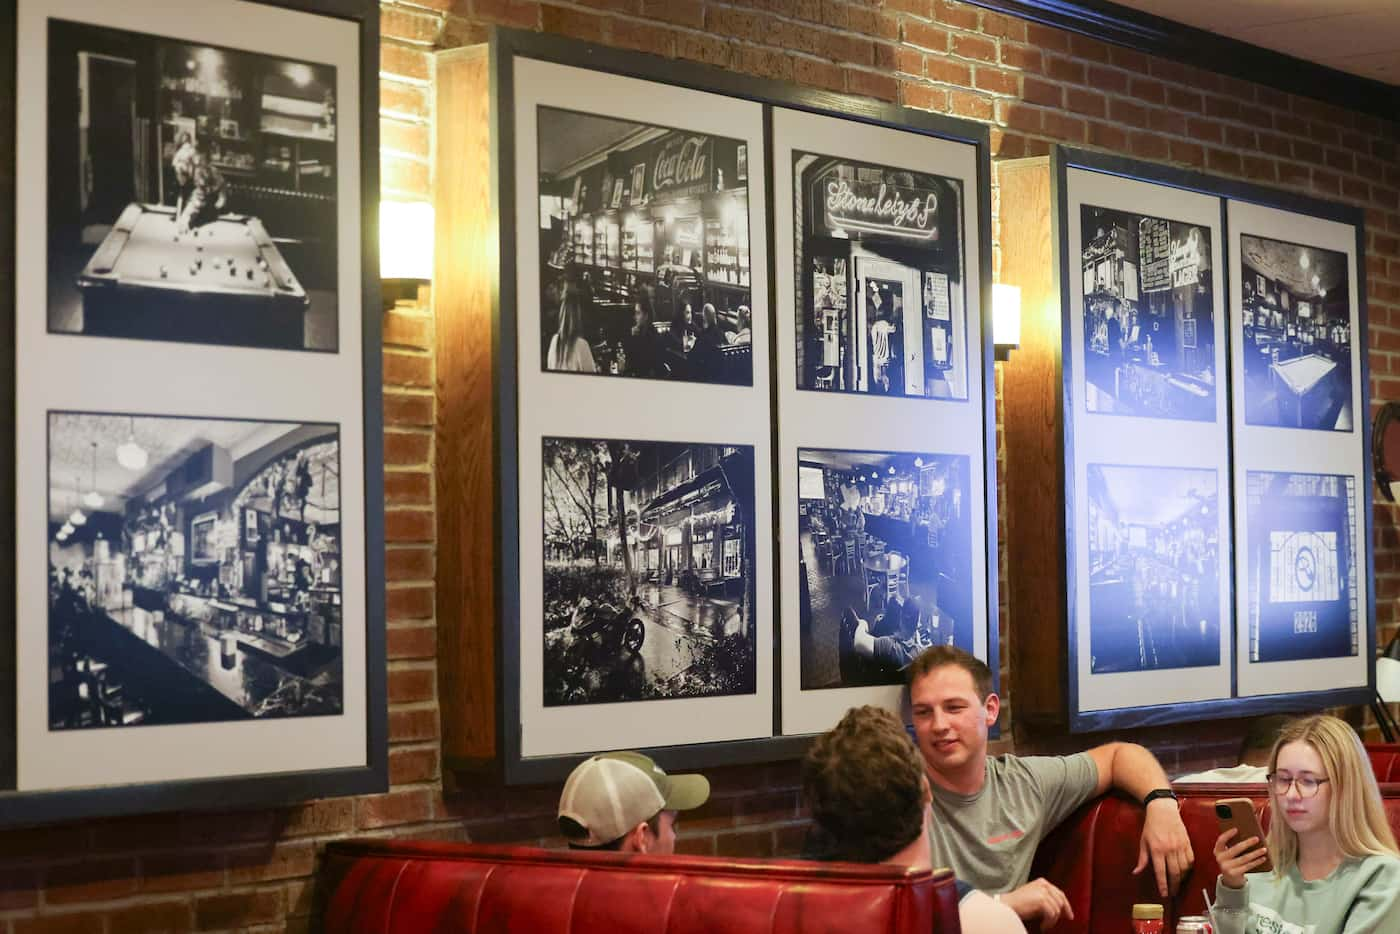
(1361, 896)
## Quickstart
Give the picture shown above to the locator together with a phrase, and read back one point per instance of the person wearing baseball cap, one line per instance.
(624, 801)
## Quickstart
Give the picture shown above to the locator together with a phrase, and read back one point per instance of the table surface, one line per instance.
(886, 564)
(233, 254)
(1302, 373)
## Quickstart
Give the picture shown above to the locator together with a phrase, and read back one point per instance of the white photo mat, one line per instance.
(1127, 440)
(859, 422)
(1293, 450)
(90, 374)
(552, 404)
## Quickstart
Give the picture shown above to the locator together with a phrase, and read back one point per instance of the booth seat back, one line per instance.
(1091, 855)
(1385, 761)
(386, 887)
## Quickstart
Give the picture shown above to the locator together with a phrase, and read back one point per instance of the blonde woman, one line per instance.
(1336, 867)
(567, 348)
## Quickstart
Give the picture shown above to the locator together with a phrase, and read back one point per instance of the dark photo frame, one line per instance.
(272, 534)
(1136, 552)
(605, 408)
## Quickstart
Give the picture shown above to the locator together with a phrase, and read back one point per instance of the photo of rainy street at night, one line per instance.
(648, 570)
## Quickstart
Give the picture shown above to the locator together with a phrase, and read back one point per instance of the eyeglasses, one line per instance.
(1307, 785)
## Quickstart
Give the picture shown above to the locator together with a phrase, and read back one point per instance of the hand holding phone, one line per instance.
(1240, 848)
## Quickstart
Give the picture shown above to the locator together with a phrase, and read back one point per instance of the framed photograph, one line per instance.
(884, 463)
(1255, 500)
(1148, 556)
(649, 571)
(195, 189)
(1302, 476)
(638, 607)
(899, 234)
(664, 293)
(191, 571)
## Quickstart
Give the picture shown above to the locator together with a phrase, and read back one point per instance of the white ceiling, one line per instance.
(1357, 36)
(1155, 495)
(168, 441)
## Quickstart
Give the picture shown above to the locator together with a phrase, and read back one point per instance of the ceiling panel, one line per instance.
(1357, 36)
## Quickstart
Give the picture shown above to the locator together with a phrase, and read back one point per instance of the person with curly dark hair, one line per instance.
(865, 785)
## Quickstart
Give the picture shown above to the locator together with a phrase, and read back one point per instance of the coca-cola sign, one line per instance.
(882, 208)
(682, 165)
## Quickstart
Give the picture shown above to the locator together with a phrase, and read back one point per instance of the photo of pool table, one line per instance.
(223, 282)
(1303, 386)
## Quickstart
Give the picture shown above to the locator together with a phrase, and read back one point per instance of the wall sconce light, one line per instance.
(405, 249)
(1006, 319)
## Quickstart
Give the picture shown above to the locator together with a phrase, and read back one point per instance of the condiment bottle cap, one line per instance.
(1147, 912)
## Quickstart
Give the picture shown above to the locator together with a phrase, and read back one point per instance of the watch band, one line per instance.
(1156, 793)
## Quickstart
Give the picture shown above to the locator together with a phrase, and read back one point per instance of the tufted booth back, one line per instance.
(386, 887)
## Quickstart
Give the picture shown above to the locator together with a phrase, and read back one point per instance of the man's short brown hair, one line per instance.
(942, 655)
(864, 783)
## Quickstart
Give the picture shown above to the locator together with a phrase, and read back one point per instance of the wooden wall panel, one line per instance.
(465, 301)
(1034, 458)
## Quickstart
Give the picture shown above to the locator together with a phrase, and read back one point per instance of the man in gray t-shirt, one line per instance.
(990, 814)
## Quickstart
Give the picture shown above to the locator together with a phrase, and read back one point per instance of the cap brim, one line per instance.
(687, 792)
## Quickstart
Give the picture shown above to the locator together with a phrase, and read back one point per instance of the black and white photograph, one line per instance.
(1149, 323)
(191, 192)
(649, 570)
(1303, 582)
(194, 570)
(1154, 568)
(1296, 318)
(880, 286)
(644, 250)
(884, 562)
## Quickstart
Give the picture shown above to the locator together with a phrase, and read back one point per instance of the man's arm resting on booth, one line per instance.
(1165, 842)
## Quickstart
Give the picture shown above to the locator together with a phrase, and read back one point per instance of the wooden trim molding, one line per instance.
(1154, 35)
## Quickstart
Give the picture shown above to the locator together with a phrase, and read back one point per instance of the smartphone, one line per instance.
(1239, 814)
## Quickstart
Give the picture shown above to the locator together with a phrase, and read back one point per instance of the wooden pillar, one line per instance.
(1033, 403)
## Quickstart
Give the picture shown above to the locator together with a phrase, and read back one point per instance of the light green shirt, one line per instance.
(989, 838)
(1361, 896)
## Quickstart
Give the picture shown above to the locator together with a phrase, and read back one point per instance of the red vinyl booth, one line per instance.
(1091, 855)
(385, 887)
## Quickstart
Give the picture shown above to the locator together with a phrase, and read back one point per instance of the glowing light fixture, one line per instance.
(1006, 319)
(130, 454)
(405, 249)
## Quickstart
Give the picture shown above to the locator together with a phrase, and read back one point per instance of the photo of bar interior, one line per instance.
(1295, 310)
(880, 304)
(644, 250)
(1149, 323)
(194, 570)
(1154, 568)
(885, 540)
(192, 192)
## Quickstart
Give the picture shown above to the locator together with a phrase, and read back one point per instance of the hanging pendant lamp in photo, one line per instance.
(93, 499)
(130, 454)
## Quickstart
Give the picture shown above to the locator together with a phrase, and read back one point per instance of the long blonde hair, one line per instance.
(1354, 812)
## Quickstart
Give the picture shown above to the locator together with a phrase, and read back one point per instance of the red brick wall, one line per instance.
(1035, 85)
